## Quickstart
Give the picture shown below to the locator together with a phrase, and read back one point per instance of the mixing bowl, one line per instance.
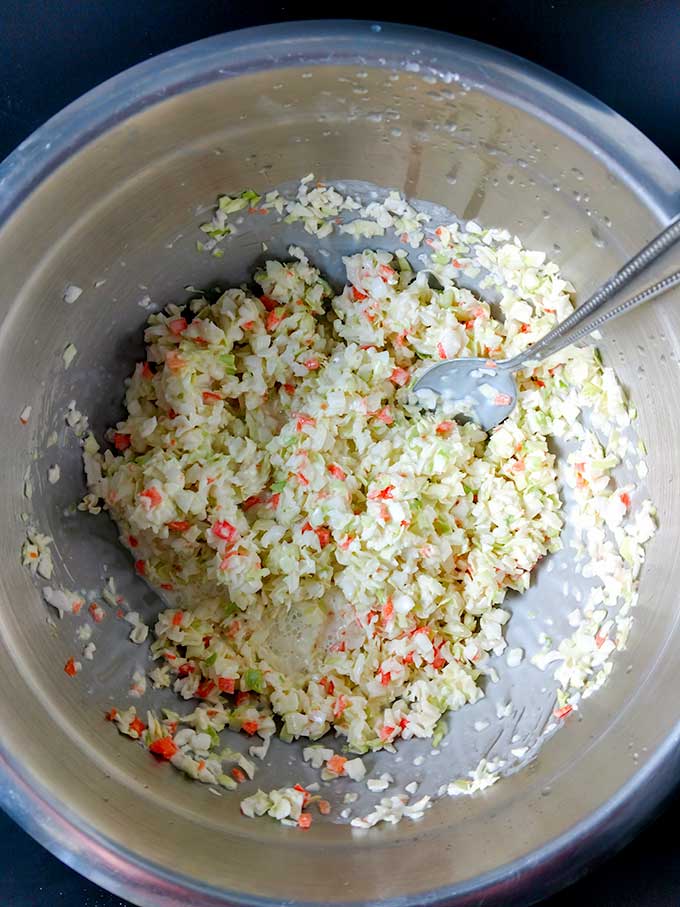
(107, 197)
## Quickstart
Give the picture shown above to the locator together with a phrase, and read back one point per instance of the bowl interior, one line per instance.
(119, 218)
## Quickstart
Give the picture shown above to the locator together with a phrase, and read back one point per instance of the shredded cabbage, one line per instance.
(333, 552)
(334, 557)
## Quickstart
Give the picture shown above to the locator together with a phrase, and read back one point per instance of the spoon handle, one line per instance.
(550, 343)
(656, 289)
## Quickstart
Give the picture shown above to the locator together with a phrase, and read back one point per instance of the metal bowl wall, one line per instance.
(101, 191)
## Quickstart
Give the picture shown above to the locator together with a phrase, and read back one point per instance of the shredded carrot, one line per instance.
(269, 303)
(211, 397)
(225, 531)
(174, 361)
(250, 727)
(438, 662)
(564, 711)
(322, 533)
(152, 495)
(328, 685)
(165, 747)
(273, 321)
(387, 611)
(203, 690)
(179, 525)
(305, 820)
(177, 326)
(336, 764)
(384, 415)
(70, 667)
(112, 714)
(324, 807)
(358, 295)
(306, 796)
(238, 774)
(399, 376)
(233, 628)
(226, 684)
(340, 705)
(177, 619)
(337, 471)
(121, 441)
(137, 725)
(385, 494)
(302, 420)
(385, 677)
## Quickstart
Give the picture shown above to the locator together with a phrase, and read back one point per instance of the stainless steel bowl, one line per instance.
(102, 192)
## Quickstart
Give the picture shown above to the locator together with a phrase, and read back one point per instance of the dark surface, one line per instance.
(625, 52)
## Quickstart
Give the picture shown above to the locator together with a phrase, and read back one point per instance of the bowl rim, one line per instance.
(636, 161)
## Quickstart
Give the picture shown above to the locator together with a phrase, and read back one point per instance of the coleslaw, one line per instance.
(333, 557)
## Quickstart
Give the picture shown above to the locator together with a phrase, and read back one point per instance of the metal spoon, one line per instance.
(485, 390)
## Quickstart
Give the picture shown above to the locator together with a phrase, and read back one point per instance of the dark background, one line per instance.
(625, 52)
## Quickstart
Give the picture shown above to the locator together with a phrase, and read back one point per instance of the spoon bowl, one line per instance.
(470, 388)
